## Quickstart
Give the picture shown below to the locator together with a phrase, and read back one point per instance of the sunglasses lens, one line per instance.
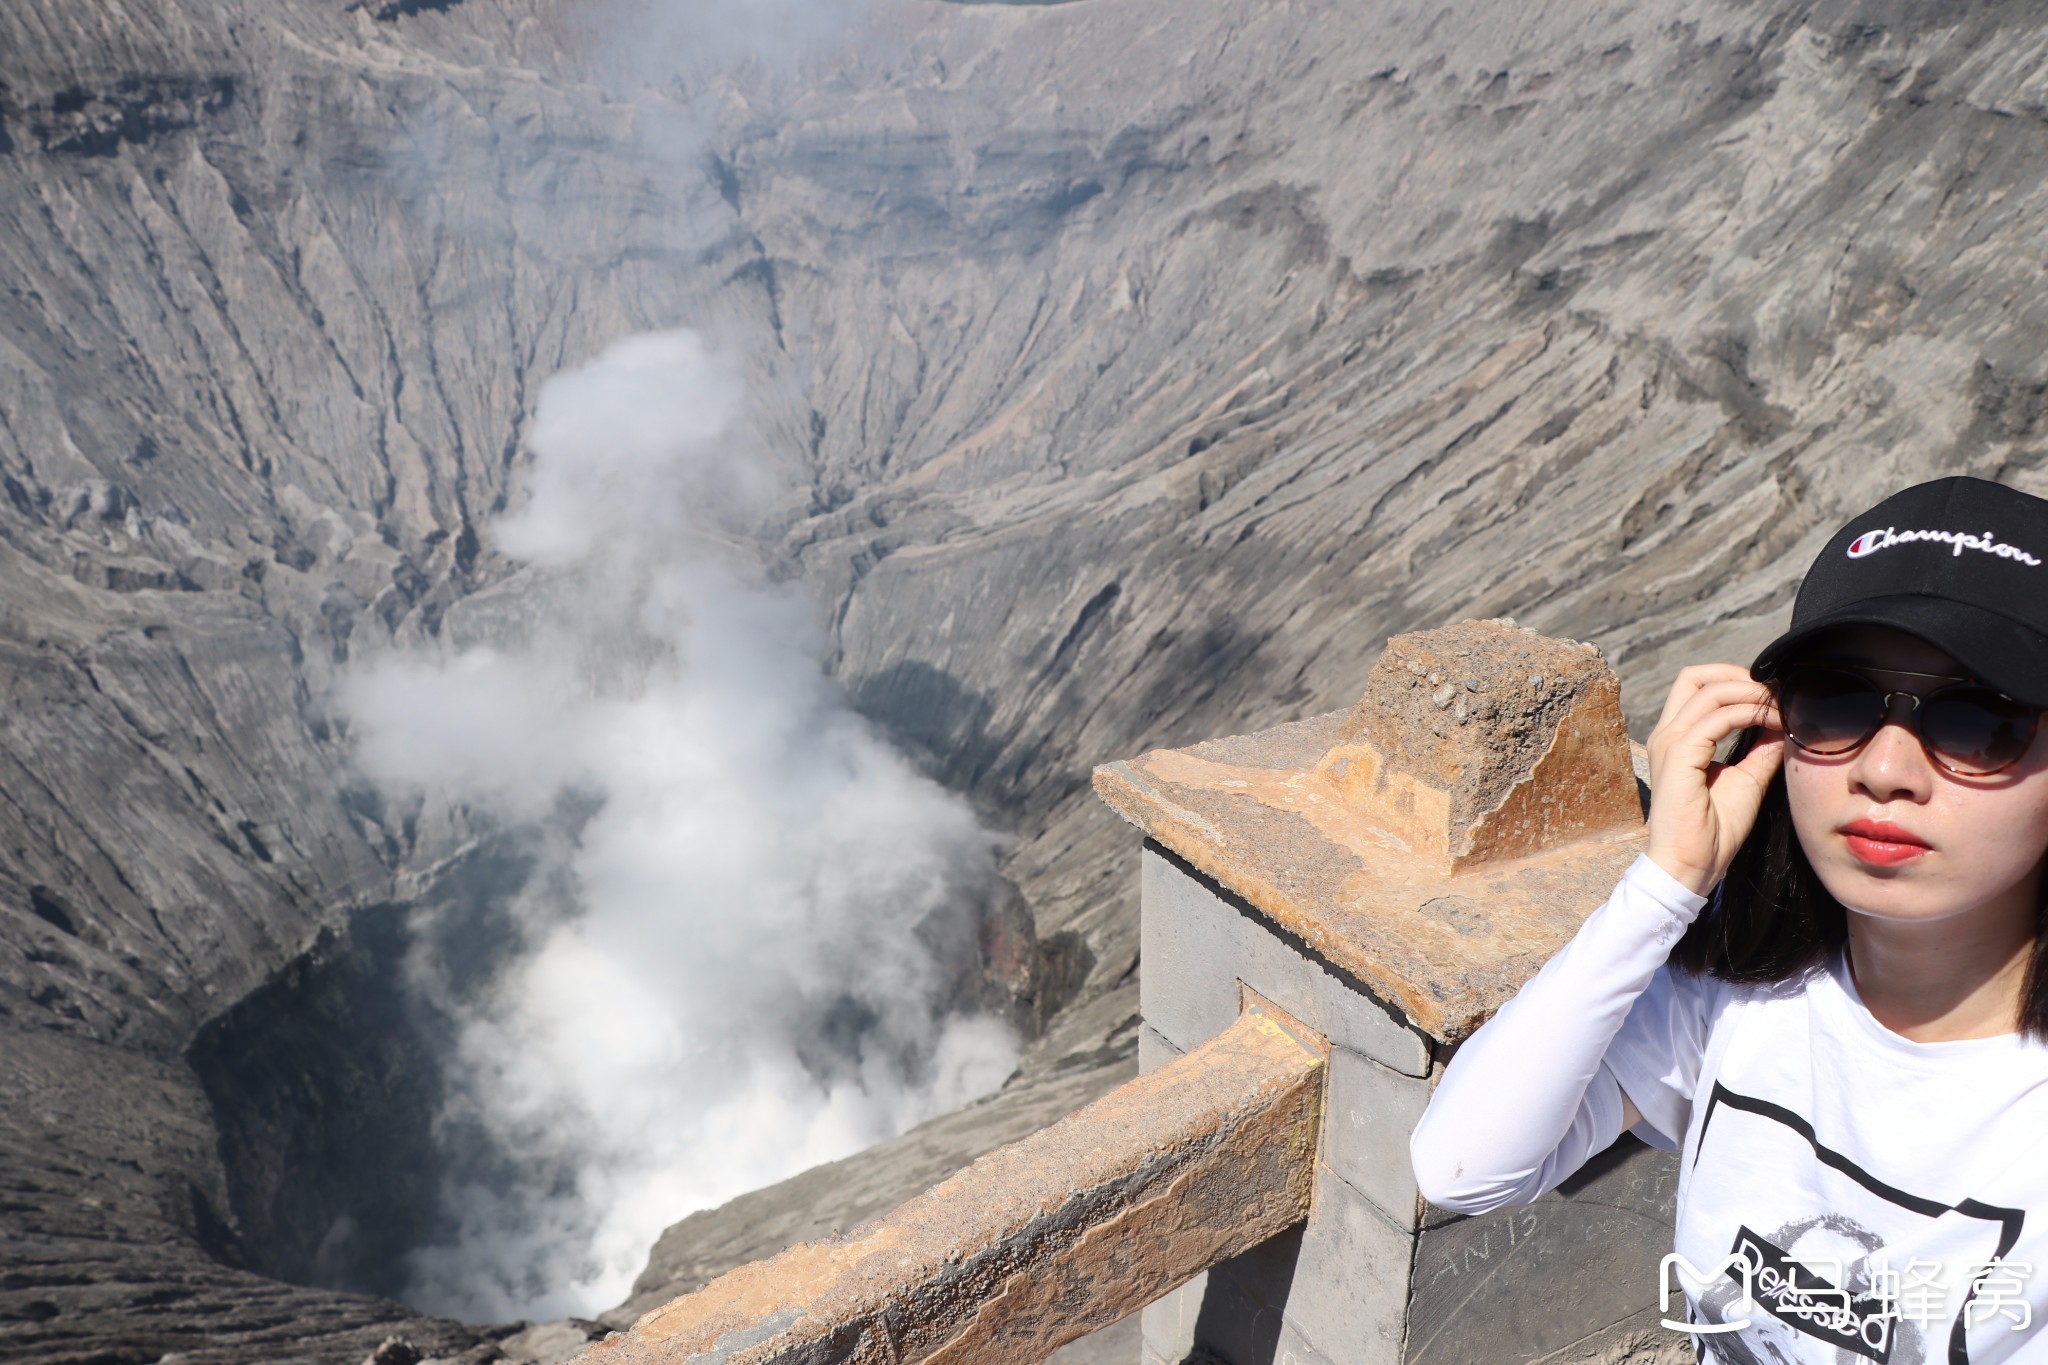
(1829, 713)
(1975, 730)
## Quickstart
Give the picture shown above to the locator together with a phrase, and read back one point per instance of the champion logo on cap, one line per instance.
(1870, 542)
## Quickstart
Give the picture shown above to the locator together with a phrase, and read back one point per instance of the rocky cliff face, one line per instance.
(1147, 366)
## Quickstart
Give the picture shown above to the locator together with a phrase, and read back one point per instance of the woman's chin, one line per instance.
(1898, 891)
(1845, 870)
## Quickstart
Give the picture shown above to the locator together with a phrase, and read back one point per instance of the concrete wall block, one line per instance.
(1369, 1112)
(1193, 947)
(1197, 941)
(1532, 1280)
(1168, 1324)
(1153, 1049)
(1639, 1339)
(1231, 1314)
(1435, 1217)
(1237, 1325)
(1350, 1291)
(1294, 1350)
(1351, 1016)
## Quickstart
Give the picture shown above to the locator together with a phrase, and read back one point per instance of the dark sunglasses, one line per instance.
(1966, 728)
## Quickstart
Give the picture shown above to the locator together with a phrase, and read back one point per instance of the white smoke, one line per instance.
(748, 913)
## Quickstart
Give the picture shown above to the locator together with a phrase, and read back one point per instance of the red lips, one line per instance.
(1883, 845)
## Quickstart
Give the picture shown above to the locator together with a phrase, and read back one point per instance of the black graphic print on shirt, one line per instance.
(1777, 1342)
(1763, 1142)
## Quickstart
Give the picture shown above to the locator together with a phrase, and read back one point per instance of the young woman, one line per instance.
(1825, 982)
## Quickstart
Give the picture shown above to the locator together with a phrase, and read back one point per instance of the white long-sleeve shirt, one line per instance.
(1885, 1199)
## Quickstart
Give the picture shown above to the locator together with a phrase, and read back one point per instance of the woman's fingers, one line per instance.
(1752, 774)
(1707, 688)
(1713, 707)
(1717, 721)
(1702, 695)
(1761, 764)
(1691, 772)
(1690, 680)
(1736, 794)
(1714, 712)
(1702, 809)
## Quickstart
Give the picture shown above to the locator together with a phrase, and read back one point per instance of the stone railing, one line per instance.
(1329, 907)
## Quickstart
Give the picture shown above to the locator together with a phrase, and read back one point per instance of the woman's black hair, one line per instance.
(1773, 920)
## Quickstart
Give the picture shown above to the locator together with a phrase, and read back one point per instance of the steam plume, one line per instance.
(748, 914)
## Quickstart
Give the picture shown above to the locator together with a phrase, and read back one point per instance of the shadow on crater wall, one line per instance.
(326, 1082)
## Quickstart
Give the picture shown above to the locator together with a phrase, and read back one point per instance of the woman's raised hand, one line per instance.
(1701, 810)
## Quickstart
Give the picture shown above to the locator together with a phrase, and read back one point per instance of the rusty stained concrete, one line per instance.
(1439, 841)
(1041, 1242)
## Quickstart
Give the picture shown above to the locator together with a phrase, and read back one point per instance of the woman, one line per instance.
(1823, 982)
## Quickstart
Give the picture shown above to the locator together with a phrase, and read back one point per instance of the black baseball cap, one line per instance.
(1961, 563)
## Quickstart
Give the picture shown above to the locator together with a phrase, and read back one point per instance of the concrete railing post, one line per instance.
(1389, 876)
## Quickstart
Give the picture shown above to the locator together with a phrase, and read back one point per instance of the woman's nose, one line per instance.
(1892, 766)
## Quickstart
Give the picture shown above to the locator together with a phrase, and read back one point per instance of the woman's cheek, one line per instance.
(1806, 792)
(1990, 839)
